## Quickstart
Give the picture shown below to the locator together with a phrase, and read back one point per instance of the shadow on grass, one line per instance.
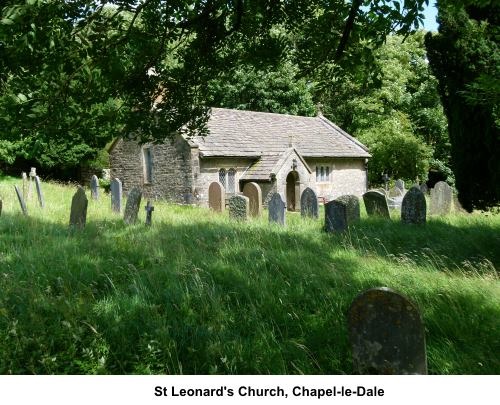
(219, 297)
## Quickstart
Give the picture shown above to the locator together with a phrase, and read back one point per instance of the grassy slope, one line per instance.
(198, 293)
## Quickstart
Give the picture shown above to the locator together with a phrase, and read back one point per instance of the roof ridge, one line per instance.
(342, 132)
(262, 112)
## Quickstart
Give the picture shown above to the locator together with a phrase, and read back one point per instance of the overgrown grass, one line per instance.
(199, 293)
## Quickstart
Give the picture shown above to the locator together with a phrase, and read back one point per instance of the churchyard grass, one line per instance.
(199, 293)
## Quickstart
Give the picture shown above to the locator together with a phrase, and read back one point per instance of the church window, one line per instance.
(327, 173)
(231, 174)
(222, 177)
(322, 173)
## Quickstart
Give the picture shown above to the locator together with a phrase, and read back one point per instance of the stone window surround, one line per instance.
(224, 179)
(323, 174)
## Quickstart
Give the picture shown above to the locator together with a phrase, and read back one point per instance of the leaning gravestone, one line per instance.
(94, 187)
(277, 208)
(386, 334)
(38, 185)
(216, 196)
(352, 207)
(336, 216)
(238, 207)
(376, 204)
(441, 199)
(414, 207)
(132, 206)
(309, 203)
(79, 203)
(400, 184)
(254, 193)
(21, 201)
(116, 195)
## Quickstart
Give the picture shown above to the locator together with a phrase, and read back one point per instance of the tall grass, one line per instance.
(199, 293)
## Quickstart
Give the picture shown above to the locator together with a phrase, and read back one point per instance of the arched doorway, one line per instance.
(292, 191)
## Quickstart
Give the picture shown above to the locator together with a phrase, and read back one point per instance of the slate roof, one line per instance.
(238, 133)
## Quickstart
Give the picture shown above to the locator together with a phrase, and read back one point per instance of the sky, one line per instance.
(430, 12)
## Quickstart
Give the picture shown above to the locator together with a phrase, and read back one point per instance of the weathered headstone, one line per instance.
(395, 192)
(21, 201)
(41, 199)
(277, 209)
(309, 206)
(79, 203)
(116, 195)
(25, 184)
(423, 188)
(149, 212)
(336, 216)
(352, 207)
(253, 192)
(238, 207)
(441, 198)
(376, 204)
(94, 187)
(400, 184)
(132, 206)
(414, 207)
(386, 334)
(216, 196)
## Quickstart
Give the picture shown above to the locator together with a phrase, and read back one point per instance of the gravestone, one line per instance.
(352, 207)
(414, 207)
(238, 207)
(149, 208)
(79, 203)
(441, 199)
(25, 184)
(277, 209)
(253, 192)
(21, 201)
(400, 184)
(132, 206)
(386, 334)
(423, 188)
(376, 204)
(216, 196)
(38, 184)
(395, 192)
(116, 195)
(336, 216)
(94, 187)
(309, 203)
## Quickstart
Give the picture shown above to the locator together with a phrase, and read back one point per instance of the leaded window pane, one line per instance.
(222, 177)
(231, 174)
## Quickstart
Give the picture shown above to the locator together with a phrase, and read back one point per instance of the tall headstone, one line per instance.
(414, 207)
(94, 187)
(216, 196)
(149, 208)
(309, 206)
(254, 193)
(352, 207)
(238, 207)
(79, 203)
(32, 175)
(277, 209)
(336, 216)
(441, 199)
(400, 184)
(376, 204)
(116, 195)
(132, 206)
(22, 203)
(41, 199)
(386, 334)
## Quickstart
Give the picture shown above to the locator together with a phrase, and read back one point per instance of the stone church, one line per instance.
(282, 153)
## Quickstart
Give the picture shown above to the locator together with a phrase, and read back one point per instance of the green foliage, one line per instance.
(465, 58)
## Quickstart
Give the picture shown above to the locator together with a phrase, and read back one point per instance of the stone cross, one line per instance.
(149, 212)
(376, 204)
(253, 192)
(79, 204)
(94, 187)
(386, 334)
(238, 207)
(38, 185)
(309, 203)
(132, 206)
(116, 195)
(441, 198)
(414, 207)
(277, 209)
(21, 201)
(216, 196)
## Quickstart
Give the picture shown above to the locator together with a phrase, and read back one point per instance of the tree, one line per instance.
(465, 58)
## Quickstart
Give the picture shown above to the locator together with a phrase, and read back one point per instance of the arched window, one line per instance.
(231, 174)
(222, 177)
